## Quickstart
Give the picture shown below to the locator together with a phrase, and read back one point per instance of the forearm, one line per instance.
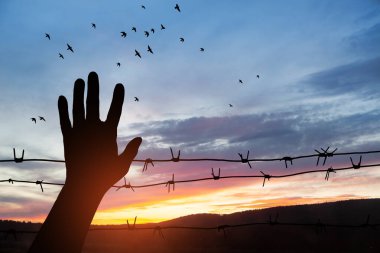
(67, 224)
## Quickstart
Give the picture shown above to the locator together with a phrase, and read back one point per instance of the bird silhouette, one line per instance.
(137, 99)
(230, 105)
(42, 118)
(143, 6)
(177, 8)
(61, 56)
(134, 29)
(150, 50)
(162, 27)
(118, 64)
(146, 33)
(137, 53)
(93, 25)
(182, 39)
(152, 30)
(123, 34)
(258, 76)
(240, 81)
(70, 48)
(202, 49)
(34, 120)
(47, 35)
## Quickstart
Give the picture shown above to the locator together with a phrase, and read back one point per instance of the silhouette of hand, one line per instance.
(92, 167)
(90, 146)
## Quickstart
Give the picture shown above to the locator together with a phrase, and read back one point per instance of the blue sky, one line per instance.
(318, 63)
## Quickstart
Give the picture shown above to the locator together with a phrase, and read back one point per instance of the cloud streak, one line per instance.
(272, 134)
(360, 78)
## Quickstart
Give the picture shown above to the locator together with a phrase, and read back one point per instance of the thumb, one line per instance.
(130, 152)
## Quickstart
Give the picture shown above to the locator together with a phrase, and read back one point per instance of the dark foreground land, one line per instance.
(304, 228)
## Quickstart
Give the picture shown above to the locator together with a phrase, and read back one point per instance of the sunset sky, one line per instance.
(319, 86)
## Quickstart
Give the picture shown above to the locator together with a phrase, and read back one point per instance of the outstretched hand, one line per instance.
(92, 167)
(90, 146)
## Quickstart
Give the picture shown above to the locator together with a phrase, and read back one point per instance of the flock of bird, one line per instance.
(124, 34)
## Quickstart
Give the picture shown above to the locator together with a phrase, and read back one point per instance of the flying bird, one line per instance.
(202, 49)
(137, 99)
(70, 48)
(137, 53)
(42, 118)
(240, 81)
(47, 35)
(34, 120)
(93, 25)
(143, 6)
(162, 27)
(134, 29)
(61, 56)
(152, 30)
(177, 8)
(118, 64)
(123, 34)
(230, 105)
(146, 33)
(150, 50)
(182, 39)
(257, 76)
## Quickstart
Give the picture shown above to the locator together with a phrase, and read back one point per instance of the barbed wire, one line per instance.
(318, 225)
(323, 153)
(170, 184)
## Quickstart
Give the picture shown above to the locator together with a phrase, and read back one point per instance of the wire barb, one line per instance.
(215, 177)
(287, 159)
(223, 228)
(127, 186)
(158, 230)
(328, 171)
(146, 163)
(245, 160)
(132, 227)
(18, 159)
(325, 153)
(175, 159)
(320, 226)
(10, 180)
(368, 225)
(266, 177)
(170, 182)
(275, 221)
(358, 165)
(40, 182)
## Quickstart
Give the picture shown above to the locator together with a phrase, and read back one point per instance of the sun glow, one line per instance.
(223, 201)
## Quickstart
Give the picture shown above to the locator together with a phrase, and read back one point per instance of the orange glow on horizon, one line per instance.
(108, 214)
(114, 216)
(153, 206)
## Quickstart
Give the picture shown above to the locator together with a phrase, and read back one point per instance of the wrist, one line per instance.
(83, 192)
(71, 216)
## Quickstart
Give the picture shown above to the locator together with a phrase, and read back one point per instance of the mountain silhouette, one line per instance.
(260, 238)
